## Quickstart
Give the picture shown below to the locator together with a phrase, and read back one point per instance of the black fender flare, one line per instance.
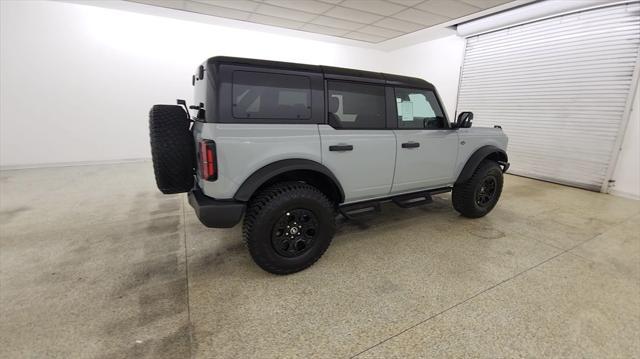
(481, 153)
(264, 174)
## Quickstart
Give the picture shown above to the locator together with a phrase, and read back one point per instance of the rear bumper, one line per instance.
(216, 213)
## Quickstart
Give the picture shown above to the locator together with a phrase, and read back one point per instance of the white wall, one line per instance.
(627, 172)
(437, 61)
(78, 81)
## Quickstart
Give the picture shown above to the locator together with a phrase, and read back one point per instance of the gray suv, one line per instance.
(291, 146)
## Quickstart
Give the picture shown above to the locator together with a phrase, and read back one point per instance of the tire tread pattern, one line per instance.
(172, 148)
(463, 196)
(264, 203)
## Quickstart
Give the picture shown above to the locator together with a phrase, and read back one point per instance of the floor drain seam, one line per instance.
(564, 251)
(581, 257)
(461, 302)
(186, 271)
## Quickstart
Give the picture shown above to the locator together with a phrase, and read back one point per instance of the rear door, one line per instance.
(356, 145)
(427, 146)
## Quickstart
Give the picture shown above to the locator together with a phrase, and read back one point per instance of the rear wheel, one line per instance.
(288, 227)
(479, 194)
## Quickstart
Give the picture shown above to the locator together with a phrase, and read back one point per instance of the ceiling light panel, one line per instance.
(420, 17)
(323, 30)
(485, 4)
(398, 25)
(216, 10)
(375, 6)
(172, 4)
(275, 21)
(312, 6)
(407, 2)
(284, 13)
(244, 5)
(353, 15)
(378, 31)
(337, 23)
(449, 8)
(364, 37)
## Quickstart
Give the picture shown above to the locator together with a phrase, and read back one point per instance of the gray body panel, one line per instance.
(367, 170)
(376, 167)
(474, 138)
(430, 165)
(243, 149)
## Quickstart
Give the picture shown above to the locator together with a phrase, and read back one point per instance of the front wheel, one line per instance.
(288, 227)
(479, 194)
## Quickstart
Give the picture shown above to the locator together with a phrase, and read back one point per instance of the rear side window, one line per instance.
(262, 95)
(354, 105)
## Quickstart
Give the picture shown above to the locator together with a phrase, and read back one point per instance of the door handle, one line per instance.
(411, 144)
(341, 148)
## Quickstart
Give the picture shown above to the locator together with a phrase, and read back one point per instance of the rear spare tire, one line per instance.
(172, 148)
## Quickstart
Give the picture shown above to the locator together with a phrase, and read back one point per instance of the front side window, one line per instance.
(418, 109)
(355, 105)
(262, 95)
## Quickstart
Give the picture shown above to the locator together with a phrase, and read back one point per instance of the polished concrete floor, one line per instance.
(96, 263)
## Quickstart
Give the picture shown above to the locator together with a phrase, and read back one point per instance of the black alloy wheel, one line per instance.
(294, 232)
(288, 226)
(486, 191)
(478, 195)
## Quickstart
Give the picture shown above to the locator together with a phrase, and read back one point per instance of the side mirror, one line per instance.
(464, 120)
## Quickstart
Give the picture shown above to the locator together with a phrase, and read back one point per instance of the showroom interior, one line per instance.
(96, 262)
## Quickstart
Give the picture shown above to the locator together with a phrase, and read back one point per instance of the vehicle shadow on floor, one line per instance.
(218, 249)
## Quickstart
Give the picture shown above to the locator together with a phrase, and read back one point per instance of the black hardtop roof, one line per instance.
(327, 71)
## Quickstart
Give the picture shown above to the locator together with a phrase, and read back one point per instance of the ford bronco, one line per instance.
(290, 146)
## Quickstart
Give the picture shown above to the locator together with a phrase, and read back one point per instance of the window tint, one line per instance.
(353, 105)
(418, 109)
(271, 96)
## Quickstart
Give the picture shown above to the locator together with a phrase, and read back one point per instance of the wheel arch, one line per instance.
(308, 171)
(491, 152)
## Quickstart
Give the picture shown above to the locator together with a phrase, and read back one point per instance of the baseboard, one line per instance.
(72, 164)
(624, 194)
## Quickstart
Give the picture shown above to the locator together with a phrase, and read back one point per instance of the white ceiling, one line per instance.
(371, 21)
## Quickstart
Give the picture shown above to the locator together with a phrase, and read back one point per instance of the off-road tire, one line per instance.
(172, 148)
(264, 211)
(464, 194)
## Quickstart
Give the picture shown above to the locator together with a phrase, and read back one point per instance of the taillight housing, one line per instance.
(208, 160)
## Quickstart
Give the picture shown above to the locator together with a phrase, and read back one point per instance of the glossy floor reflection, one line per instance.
(95, 262)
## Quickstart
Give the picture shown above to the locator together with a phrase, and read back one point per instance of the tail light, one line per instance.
(208, 161)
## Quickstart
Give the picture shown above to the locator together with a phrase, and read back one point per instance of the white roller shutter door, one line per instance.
(559, 88)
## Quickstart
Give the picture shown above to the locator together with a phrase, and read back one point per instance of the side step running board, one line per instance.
(349, 211)
(359, 209)
(412, 200)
